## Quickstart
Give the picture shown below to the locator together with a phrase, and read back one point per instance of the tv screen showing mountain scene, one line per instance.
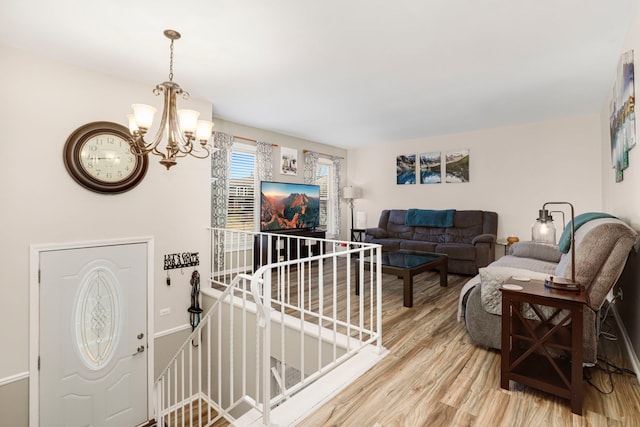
(285, 206)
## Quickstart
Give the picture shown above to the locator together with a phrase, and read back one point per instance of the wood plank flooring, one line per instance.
(195, 414)
(435, 376)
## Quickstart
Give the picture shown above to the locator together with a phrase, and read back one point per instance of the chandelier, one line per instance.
(182, 127)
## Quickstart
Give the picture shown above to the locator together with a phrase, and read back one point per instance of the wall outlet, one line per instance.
(165, 311)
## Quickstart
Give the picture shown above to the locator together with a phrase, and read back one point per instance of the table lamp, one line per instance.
(541, 229)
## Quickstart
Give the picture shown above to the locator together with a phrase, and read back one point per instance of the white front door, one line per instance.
(93, 336)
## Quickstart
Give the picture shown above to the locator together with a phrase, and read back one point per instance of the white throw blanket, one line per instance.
(492, 278)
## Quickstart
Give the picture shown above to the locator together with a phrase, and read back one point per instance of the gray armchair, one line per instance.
(602, 248)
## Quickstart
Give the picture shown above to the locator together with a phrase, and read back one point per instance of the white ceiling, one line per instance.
(352, 72)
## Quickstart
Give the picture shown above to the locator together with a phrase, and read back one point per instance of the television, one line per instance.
(286, 206)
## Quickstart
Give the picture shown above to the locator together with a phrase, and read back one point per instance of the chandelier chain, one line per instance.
(171, 62)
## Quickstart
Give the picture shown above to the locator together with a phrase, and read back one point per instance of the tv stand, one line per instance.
(285, 248)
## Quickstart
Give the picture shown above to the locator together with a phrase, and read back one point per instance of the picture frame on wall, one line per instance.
(431, 168)
(457, 166)
(406, 169)
(622, 121)
(288, 161)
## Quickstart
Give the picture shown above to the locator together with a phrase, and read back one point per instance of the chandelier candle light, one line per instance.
(182, 126)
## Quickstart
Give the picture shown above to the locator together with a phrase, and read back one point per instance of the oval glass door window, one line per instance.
(97, 318)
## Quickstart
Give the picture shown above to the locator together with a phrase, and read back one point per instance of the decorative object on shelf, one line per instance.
(431, 168)
(97, 156)
(543, 229)
(350, 194)
(406, 169)
(559, 282)
(288, 161)
(512, 239)
(457, 166)
(622, 115)
(182, 126)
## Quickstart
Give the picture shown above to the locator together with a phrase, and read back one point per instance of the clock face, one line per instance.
(107, 157)
(97, 156)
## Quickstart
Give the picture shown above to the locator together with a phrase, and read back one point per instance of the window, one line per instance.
(241, 212)
(324, 176)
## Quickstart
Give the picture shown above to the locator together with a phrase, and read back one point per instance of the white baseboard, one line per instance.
(633, 357)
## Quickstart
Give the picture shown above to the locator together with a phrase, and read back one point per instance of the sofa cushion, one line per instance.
(466, 225)
(396, 226)
(429, 234)
(541, 251)
(377, 233)
(457, 251)
(533, 264)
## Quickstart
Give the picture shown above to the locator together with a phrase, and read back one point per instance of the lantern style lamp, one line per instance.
(542, 230)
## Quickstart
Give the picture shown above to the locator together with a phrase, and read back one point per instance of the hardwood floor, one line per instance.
(194, 414)
(435, 376)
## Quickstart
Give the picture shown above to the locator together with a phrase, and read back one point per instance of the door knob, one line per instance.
(140, 350)
(140, 335)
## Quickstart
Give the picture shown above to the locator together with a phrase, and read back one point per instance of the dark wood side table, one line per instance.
(545, 354)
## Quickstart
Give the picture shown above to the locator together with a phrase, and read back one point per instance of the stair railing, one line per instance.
(272, 330)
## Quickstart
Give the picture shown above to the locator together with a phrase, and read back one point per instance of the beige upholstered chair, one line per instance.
(602, 248)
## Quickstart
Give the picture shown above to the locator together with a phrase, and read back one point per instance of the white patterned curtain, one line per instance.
(220, 165)
(310, 167)
(220, 172)
(264, 162)
(335, 194)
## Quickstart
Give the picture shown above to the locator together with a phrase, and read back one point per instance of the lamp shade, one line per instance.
(543, 229)
(188, 120)
(204, 130)
(351, 192)
(143, 115)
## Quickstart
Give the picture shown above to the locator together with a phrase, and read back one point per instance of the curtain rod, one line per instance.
(249, 140)
(331, 156)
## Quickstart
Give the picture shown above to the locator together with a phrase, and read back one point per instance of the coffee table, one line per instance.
(406, 264)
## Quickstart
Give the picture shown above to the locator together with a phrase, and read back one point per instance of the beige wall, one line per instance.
(621, 199)
(44, 205)
(513, 171)
(44, 103)
(290, 142)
